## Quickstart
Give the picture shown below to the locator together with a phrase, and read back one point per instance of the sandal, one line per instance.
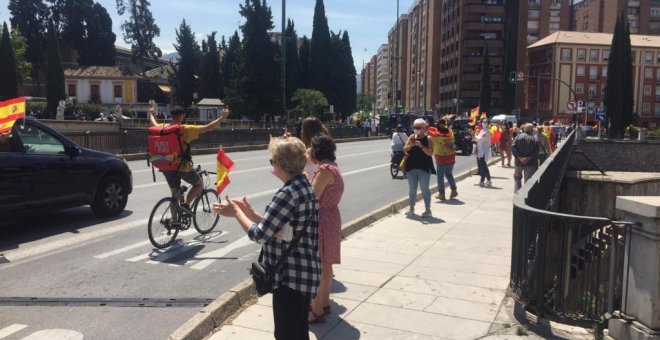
(315, 318)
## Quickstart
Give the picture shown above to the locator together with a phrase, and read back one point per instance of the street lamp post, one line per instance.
(456, 105)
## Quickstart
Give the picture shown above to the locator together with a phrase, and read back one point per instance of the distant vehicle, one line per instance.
(497, 120)
(405, 119)
(40, 169)
(463, 135)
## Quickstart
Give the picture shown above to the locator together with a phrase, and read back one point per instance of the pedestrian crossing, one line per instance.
(179, 254)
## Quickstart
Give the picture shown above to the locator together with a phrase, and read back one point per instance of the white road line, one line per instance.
(16, 255)
(121, 250)
(219, 253)
(9, 330)
(180, 250)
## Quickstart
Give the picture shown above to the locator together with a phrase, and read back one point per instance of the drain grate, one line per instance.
(104, 302)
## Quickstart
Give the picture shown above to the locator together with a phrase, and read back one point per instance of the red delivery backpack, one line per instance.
(166, 148)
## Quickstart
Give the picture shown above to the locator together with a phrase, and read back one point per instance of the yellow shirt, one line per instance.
(190, 133)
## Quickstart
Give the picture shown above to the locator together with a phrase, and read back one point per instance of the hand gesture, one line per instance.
(226, 112)
(228, 209)
(243, 205)
(5, 136)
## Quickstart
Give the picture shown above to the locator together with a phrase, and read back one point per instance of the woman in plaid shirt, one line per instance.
(292, 207)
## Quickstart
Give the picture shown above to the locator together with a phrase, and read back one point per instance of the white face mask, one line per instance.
(484, 125)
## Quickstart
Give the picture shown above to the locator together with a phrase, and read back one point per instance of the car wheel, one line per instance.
(111, 197)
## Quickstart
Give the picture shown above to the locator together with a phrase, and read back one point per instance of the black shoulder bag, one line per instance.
(262, 275)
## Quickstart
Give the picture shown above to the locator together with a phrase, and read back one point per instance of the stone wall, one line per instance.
(640, 156)
(80, 125)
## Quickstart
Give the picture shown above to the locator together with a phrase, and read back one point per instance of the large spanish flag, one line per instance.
(10, 110)
(474, 113)
(224, 165)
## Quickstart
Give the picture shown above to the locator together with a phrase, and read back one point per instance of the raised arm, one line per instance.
(210, 126)
(152, 116)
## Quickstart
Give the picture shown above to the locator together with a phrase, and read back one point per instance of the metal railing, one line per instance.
(563, 266)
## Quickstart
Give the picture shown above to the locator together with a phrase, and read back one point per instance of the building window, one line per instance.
(655, 12)
(648, 58)
(71, 90)
(580, 71)
(555, 13)
(648, 72)
(657, 110)
(604, 71)
(565, 54)
(118, 91)
(647, 90)
(96, 96)
(606, 55)
(592, 90)
(593, 72)
(593, 55)
(579, 88)
(657, 93)
(581, 54)
(533, 14)
(553, 26)
(646, 108)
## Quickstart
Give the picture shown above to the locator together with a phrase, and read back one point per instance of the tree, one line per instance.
(319, 59)
(99, 45)
(293, 74)
(8, 75)
(23, 67)
(231, 72)
(365, 100)
(210, 83)
(311, 102)
(485, 92)
(186, 69)
(54, 72)
(30, 16)
(140, 30)
(618, 91)
(71, 18)
(303, 56)
(348, 79)
(260, 84)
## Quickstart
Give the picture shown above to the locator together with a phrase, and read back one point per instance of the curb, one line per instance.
(239, 148)
(215, 314)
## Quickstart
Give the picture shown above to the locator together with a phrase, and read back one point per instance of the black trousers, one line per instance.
(290, 309)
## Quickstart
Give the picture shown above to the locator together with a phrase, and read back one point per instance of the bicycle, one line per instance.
(170, 216)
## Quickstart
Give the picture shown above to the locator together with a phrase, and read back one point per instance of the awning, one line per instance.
(165, 88)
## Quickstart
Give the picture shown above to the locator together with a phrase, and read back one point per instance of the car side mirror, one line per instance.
(72, 150)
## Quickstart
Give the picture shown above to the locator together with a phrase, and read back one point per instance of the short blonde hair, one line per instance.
(420, 122)
(289, 154)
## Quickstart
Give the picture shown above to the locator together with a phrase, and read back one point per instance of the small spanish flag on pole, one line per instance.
(224, 165)
(474, 113)
(10, 111)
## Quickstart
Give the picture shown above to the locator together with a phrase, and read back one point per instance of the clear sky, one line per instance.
(367, 21)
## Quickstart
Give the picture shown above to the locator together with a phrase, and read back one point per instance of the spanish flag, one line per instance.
(10, 110)
(474, 113)
(224, 164)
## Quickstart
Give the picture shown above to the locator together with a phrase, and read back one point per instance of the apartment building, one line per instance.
(382, 79)
(397, 44)
(600, 15)
(579, 59)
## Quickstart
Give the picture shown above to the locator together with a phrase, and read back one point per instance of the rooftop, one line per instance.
(105, 72)
(591, 38)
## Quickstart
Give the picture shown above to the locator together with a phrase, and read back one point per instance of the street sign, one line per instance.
(521, 76)
(590, 110)
(571, 105)
(600, 113)
(580, 103)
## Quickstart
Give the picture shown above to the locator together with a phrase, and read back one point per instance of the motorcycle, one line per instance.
(395, 160)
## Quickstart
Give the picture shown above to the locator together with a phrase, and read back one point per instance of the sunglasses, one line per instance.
(418, 127)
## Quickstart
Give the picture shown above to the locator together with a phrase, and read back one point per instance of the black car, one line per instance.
(40, 169)
(463, 135)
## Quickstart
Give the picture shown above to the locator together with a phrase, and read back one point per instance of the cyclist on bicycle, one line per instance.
(185, 170)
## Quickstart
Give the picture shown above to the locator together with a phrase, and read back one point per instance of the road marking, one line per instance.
(9, 330)
(121, 250)
(49, 334)
(16, 255)
(215, 255)
(170, 253)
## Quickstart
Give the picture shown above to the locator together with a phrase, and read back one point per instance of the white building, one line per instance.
(100, 84)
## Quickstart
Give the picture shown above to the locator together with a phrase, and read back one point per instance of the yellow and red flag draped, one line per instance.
(474, 113)
(224, 165)
(10, 110)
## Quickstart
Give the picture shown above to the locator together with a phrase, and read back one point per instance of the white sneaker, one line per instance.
(427, 213)
(410, 212)
(489, 183)
(481, 184)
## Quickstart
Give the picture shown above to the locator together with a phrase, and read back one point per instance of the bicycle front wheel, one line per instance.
(204, 218)
(163, 225)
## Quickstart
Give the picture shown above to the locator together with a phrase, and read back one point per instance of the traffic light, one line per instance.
(512, 77)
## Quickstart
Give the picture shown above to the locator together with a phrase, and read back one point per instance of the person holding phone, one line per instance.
(419, 166)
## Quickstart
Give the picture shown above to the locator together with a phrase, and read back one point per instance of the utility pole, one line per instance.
(284, 56)
(396, 58)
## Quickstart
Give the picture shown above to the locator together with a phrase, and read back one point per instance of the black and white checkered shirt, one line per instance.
(293, 205)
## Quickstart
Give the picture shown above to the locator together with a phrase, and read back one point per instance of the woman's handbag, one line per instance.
(263, 276)
(402, 165)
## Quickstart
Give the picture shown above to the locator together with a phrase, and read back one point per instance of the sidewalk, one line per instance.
(413, 278)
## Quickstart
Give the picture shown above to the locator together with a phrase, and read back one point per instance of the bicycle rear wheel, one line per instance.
(163, 226)
(203, 217)
(394, 170)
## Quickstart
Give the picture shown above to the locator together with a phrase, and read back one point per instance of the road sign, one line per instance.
(580, 103)
(571, 105)
(600, 113)
(521, 76)
(590, 110)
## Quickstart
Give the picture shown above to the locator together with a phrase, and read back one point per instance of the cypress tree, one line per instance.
(349, 79)
(293, 73)
(485, 88)
(231, 73)
(185, 70)
(628, 96)
(99, 45)
(140, 30)
(304, 54)
(210, 81)
(319, 62)
(619, 81)
(71, 19)
(260, 84)
(8, 74)
(54, 72)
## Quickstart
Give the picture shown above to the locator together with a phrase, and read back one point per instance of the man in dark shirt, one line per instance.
(525, 149)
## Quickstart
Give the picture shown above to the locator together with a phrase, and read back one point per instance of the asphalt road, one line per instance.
(69, 273)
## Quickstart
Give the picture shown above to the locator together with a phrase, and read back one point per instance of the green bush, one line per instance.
(653, 133)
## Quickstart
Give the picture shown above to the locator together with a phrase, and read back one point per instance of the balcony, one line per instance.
(483, 26)
(657, 80)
